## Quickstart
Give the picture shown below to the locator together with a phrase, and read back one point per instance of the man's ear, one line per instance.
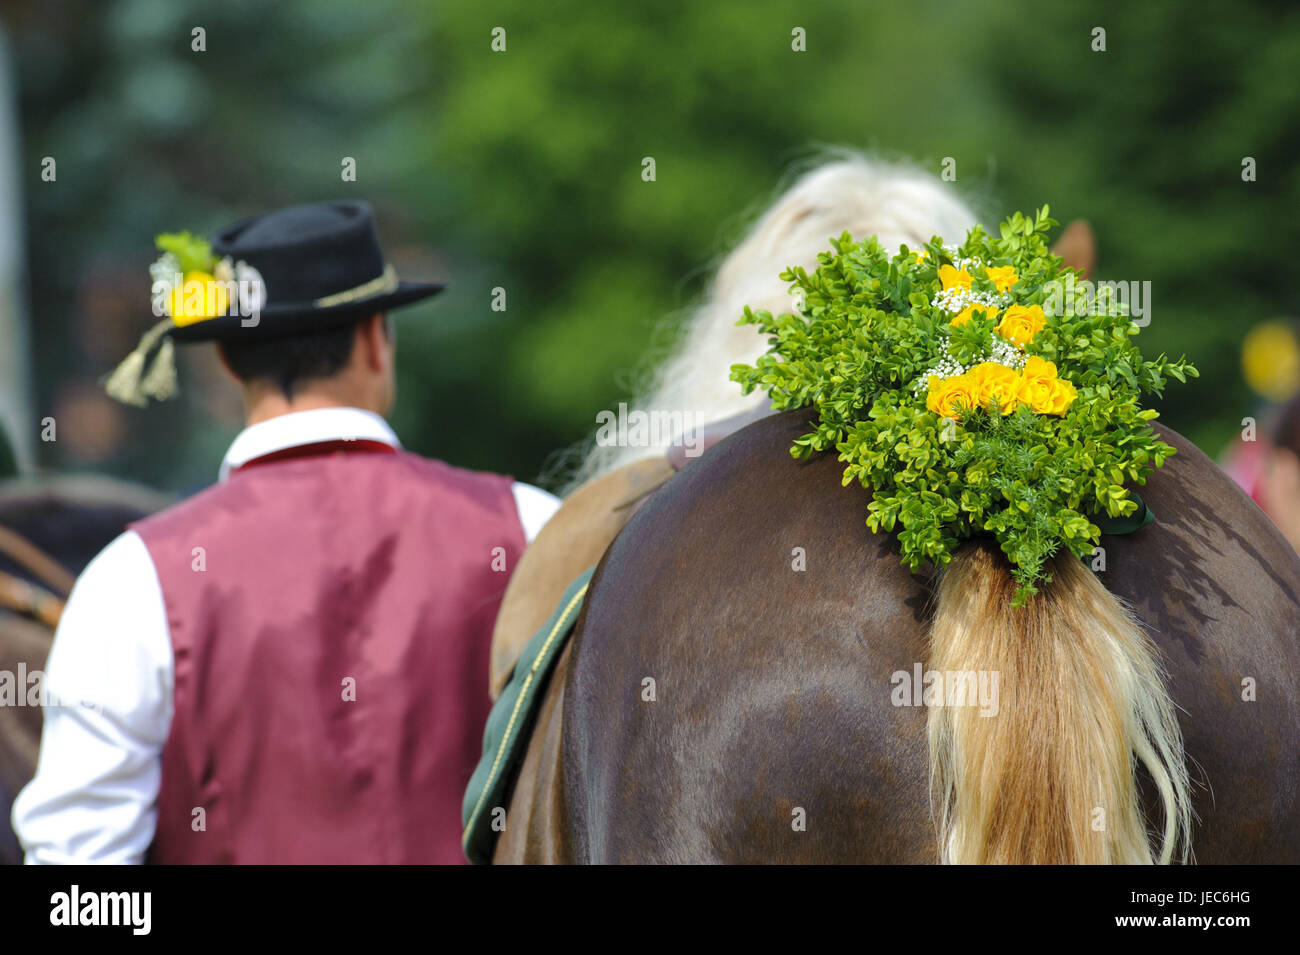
(374, 334)
(221, 357)
(1078, 247)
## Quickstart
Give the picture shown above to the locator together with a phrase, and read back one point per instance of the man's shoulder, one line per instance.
(439, 471)
(179, 514)
(239, 497)
(531, 506)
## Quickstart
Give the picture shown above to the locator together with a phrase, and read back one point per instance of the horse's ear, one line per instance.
(1078, 247)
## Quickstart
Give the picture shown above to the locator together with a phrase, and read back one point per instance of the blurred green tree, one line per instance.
(521, 170)
(1147, 139)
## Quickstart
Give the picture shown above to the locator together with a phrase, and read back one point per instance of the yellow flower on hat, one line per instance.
(198, 298)
(1002, 276)
(1020, 323)
(954, 278)
(967, 313)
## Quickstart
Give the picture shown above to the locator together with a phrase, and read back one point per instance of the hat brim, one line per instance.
(282, 319)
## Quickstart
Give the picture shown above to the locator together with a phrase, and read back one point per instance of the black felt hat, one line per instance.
(286, 272)
(317, 265)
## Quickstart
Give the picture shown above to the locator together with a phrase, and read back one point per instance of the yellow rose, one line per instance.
(1037, 381)
(1020, 323)
(1002, 276)
(197, 299)
(967, 313)
(1036, 367)
(1063, 395)
(950, 397)
(996, 386)
(1042, 390)
(953, 277)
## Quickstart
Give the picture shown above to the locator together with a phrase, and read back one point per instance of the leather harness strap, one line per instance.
(41, 564)
(30, 600)
(41, 603)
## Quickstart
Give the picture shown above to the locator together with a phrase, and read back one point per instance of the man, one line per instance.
(290, 666)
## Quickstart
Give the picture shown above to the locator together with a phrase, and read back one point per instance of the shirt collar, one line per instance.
(305, 427)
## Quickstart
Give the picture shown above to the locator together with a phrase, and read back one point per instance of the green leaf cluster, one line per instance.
(865, 333)
(193, 253)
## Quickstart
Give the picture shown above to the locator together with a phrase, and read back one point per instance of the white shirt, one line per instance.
(109, 678)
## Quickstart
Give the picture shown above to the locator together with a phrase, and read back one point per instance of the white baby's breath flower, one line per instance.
(167, 270)
(252, 289)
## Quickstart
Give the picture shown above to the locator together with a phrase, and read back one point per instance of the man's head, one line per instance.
(349, 364)
(297, 301)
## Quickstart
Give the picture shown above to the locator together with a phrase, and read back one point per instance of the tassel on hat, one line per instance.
(160, 381)
(135, 380)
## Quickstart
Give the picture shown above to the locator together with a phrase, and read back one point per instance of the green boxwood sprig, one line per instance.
(869, 328)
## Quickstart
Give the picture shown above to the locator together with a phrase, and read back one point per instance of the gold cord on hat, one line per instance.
(387, 282)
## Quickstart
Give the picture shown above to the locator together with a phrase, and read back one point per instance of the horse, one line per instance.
(731, 692)
(50, 528)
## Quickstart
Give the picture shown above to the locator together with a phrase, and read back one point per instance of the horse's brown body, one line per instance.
(772, 736)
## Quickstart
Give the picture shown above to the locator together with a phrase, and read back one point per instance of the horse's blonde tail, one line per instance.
(1047, 774)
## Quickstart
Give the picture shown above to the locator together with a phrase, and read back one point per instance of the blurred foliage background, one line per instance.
(522, 169)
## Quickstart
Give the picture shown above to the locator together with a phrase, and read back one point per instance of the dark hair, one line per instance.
(1286, 427)
(289, 361)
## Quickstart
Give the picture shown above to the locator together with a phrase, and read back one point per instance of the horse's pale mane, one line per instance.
(847, 192)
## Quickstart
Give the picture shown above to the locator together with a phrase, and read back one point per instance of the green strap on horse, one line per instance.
(1114, 526)
(509, 725)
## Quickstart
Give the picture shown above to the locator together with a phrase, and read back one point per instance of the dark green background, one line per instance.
(522, 170)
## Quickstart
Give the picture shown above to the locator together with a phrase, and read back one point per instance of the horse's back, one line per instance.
(1218, 588)
(731, 695)
(741, 633)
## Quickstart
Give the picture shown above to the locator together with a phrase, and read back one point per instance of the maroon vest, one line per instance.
(331, 643)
